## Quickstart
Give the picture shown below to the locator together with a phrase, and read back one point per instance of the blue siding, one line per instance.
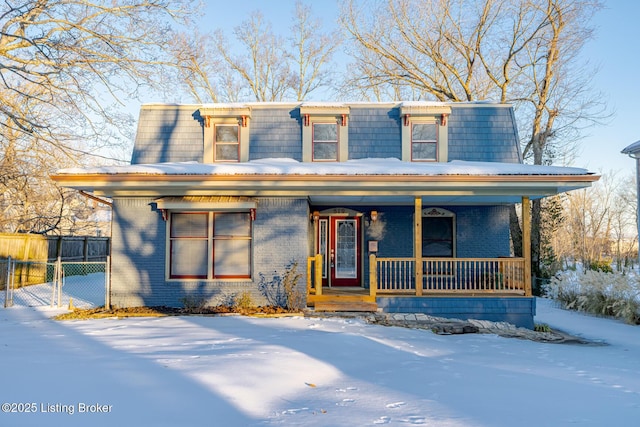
(374, 132)
(137, 254)
(174, 133)
(168, 134)
(275, 133)
(483, 133)
(481, 231)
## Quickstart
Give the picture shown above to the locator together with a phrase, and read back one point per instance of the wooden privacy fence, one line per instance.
(35, 251)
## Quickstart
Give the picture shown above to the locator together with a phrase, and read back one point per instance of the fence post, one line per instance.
(107, 284)
(85, 249)
(8, 296)
(60, 279)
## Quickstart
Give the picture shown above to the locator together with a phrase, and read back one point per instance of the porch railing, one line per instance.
(450, 275)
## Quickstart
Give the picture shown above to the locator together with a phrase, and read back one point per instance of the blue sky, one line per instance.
(615, 50)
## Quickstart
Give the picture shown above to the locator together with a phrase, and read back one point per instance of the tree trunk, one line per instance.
(516, 231)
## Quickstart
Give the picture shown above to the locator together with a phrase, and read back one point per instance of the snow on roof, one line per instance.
(378, 166)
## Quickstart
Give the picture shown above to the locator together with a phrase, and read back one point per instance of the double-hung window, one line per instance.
(325, 132)
(210, 245)
(424, 141)
(226, 132)
(325, 141)
(227, 142)
(424, 131)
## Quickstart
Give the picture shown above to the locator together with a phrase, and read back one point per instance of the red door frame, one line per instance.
(332, 278)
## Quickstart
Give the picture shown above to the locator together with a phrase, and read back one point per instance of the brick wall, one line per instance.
(280, 235)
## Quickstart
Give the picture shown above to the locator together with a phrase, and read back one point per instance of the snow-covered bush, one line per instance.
(597, 292)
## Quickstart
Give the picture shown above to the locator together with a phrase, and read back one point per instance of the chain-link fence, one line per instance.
(57, 284)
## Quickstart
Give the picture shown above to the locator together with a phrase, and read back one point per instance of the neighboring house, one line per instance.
(633, 151)
(389, 194)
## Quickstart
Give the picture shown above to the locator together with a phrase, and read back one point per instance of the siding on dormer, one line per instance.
(477, 132)
(483, 134)
(275, 133)
(168, 133)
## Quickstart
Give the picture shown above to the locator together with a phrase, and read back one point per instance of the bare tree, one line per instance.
(599, 224)
(256, 62)
(312, 52)
(67, 68)
(261, 63)
(523, 52)
(72, 56)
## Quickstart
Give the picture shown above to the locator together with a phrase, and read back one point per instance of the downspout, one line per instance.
(636, 157)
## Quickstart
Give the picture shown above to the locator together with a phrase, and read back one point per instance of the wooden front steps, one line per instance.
(342, 302)
(345, 306)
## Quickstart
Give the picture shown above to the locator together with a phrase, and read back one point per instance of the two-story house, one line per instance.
(405, 202)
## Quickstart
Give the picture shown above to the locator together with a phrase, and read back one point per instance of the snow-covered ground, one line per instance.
(240, 371)
(86, 291)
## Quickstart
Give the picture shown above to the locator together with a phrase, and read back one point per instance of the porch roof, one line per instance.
(364, 181)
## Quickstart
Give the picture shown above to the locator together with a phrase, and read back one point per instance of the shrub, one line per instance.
(193, 304)
(243, 302)
(601, 265)
(597, 292)
(282, 291)
(542, 327)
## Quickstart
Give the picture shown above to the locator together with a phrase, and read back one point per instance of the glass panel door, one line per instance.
(346, 249)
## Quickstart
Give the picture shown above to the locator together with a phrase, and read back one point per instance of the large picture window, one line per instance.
(210, 245)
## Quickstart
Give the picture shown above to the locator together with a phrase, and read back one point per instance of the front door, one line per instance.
(339, 243)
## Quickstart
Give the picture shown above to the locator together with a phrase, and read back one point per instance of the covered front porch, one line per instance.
(419, 275)
(484, 287)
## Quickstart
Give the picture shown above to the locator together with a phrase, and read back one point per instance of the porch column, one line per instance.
(417, 239)
(526, 244)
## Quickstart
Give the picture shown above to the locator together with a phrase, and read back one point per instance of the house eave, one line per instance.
(326, 185)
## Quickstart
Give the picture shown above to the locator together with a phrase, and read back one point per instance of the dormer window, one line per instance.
(226, 132)
(424, 131)
(325, 142)
(227, 143)
(325, 132)
(424, 141)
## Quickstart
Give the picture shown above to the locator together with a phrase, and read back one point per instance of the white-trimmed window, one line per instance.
(424, 131)
(325, 132)
(210, 245)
